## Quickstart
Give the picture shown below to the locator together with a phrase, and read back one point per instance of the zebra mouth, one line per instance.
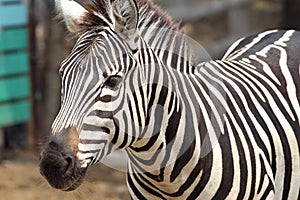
(60, 173)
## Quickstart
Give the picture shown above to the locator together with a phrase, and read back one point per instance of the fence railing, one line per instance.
(14, 64)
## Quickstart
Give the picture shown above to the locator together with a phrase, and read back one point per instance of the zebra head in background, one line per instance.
(104, 90)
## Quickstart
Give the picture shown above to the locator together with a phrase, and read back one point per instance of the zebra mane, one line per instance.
(99, 13)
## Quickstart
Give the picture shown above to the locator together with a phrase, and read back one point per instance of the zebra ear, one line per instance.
(72, 13)
(126, 17)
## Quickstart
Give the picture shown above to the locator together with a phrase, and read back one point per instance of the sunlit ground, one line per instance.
(20, 180)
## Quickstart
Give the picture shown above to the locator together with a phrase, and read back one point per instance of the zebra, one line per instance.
(192, 129)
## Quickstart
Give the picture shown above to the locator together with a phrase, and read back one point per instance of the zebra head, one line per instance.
(97, 91)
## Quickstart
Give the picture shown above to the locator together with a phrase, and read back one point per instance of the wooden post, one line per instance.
(32, 137)
(45, 69)
(1, 144)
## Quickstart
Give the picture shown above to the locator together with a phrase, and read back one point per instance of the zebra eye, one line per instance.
(113, 81)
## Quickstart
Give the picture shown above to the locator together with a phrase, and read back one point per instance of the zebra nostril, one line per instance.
(70, 165)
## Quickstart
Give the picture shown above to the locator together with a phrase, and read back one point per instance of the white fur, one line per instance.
(71, 12)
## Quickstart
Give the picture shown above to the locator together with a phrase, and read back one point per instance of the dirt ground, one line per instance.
(20, 180)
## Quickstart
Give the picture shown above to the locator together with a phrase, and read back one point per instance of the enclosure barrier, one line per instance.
(14, 65)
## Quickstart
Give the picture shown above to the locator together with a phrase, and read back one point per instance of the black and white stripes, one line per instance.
(224, 129)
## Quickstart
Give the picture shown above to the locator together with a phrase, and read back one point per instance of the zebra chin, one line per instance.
(59, 163)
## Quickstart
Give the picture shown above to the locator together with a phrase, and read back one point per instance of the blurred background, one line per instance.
(33, 42)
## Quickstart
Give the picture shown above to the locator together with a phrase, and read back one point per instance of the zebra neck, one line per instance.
(167, 40)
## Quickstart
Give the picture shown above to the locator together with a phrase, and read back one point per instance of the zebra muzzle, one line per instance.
(58, 162)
